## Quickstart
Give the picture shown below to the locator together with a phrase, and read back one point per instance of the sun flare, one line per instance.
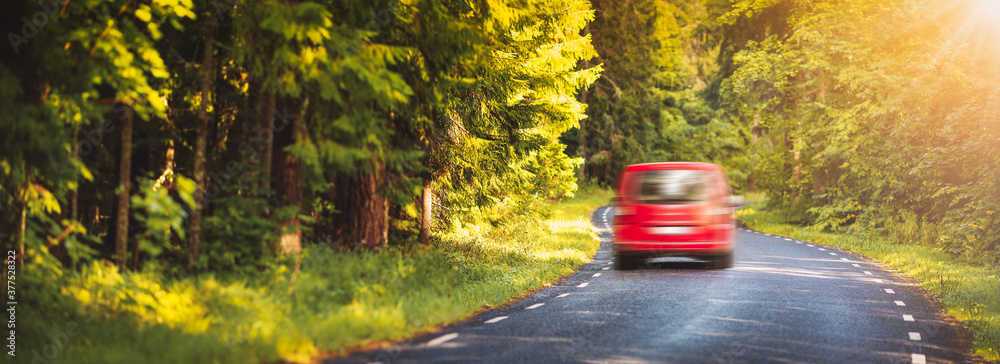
(985, 15)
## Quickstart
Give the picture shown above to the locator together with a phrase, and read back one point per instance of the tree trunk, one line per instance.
(797, 156)
(74, 197)
(753, 135)
(426, 209)
(267, 116)
(290, 169)
(23, 225)
(582, 175)
(362, 219)
(124, 177)
(254, 129)
(201, 142)
(168, 167)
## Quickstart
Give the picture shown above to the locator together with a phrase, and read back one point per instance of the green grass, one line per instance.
(969, 292)
(342, 299)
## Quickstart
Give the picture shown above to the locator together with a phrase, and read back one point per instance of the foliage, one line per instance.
(160, 215)
(853, 116)
(498, 147)
(648, 106)
(240, 235)
(469, 95)
(343, 298)
(864, 111)
(273, 107)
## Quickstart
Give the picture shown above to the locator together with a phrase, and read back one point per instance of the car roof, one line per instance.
(673, 165)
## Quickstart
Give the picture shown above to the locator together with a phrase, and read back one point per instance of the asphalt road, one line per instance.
(785, 301)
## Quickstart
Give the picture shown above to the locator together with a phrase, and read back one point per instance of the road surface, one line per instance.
(785, 301)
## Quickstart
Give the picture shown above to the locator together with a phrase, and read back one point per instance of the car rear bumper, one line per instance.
(687, 248)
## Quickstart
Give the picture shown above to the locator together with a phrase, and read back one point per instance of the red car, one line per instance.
(673, 210)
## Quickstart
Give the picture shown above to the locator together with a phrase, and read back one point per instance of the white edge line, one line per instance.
(443, 339)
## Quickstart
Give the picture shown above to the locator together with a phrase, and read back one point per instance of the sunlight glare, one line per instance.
(976, 32)
(987, 14)
(989, 8)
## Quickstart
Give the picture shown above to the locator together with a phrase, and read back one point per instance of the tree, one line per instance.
(647, 106)
(847, 140)
(204, 102)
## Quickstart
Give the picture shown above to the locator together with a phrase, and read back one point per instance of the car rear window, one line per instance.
(671, 186)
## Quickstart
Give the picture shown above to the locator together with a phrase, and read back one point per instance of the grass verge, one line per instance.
(342, 299)
(969, 292)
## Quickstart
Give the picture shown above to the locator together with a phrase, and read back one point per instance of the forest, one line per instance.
(158, 150)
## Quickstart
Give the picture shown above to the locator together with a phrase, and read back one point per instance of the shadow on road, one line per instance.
(674, 264)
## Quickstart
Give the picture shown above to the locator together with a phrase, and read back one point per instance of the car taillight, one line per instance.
(624, 214)
(624, 210)
(721, 214)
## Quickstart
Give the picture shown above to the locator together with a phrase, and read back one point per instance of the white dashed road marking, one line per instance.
(581, 285)
(562, 295)
(534, 306)
(597, 274)
(914, 336)
(442, 339)
(495, 320)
